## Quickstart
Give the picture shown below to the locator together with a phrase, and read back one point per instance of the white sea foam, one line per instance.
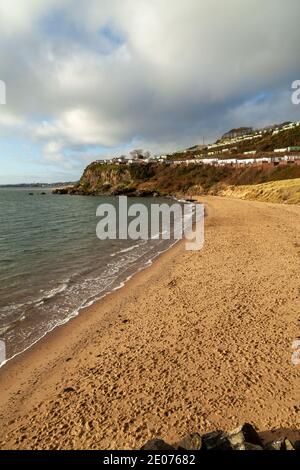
(91, 277)
(90, 302)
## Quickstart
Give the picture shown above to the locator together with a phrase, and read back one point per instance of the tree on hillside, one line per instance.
(138, 154)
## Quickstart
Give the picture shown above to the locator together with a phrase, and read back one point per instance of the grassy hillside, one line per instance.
(266, 143)
(287, 192)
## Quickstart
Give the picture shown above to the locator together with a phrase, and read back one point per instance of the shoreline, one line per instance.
(98, 297)
(87, 310)
(51, 347)
(159, 358)
(78, 311)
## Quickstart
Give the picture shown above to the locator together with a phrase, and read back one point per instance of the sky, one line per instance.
(94, 79)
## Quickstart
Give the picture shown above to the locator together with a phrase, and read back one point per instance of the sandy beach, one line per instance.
(198, 341)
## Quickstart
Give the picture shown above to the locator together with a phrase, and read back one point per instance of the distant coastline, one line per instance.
(38, 185)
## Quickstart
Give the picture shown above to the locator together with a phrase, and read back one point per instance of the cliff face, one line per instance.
(113, 179)
(104, 177)
(173, 180)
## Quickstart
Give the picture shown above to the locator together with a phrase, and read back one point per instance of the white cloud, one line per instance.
(162, 73)
(18, 17)
(9, 120)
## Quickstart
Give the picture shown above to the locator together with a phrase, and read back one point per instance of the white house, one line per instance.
(228, 161)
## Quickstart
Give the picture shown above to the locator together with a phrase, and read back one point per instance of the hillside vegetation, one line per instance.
(170, 180)
(264, 144)
(287, 192)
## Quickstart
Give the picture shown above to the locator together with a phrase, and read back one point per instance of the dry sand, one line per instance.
(199, 341)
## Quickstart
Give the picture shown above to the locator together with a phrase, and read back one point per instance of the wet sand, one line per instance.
(199, 341)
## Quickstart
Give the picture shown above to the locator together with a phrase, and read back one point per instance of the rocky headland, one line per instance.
(278, 184)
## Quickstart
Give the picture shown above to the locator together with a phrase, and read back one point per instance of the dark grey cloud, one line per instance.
(162, 74)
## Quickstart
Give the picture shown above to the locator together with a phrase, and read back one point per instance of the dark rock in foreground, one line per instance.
(191, 442)
(245, 437)
(157, 444)
(244, 433)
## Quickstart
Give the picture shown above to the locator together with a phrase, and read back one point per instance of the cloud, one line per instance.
(9, 121)
(18, 17)
(110, 74)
